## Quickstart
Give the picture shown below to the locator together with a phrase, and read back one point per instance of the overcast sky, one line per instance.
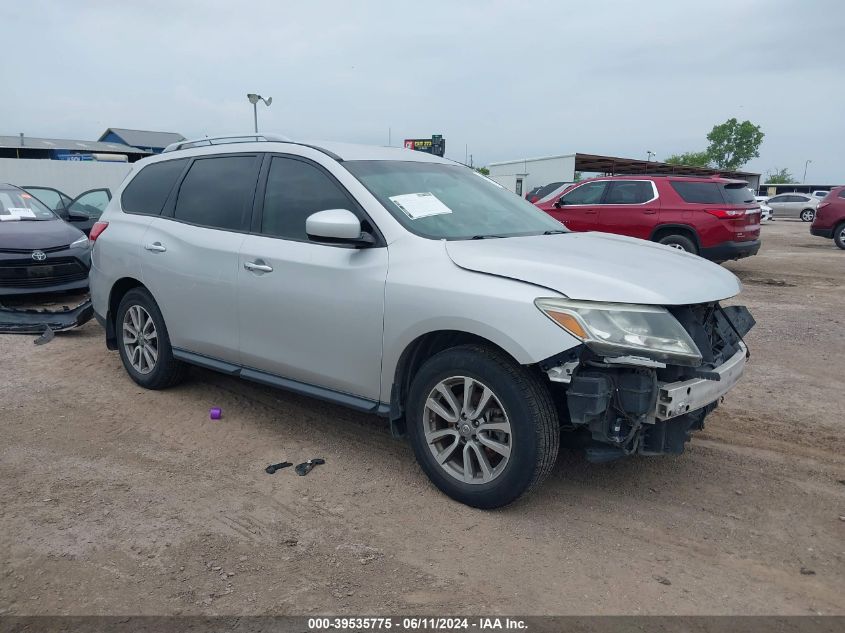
(507, 79)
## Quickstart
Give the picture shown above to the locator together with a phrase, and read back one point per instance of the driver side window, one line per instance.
(296, 189)
(588, 193)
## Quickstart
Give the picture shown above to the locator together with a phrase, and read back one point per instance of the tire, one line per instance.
(807, 215)
(518, 401)
(839, 236)
(681, 242)
(165, 371)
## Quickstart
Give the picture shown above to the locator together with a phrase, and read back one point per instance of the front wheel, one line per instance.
(808, 215)
(839, 236)
(483, 428)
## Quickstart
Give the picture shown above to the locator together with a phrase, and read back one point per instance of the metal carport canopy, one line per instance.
(612, 165)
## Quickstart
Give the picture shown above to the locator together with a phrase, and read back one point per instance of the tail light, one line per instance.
(726, 214)
(97, 230)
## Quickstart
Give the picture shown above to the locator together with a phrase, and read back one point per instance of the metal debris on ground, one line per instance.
(272, 468)
(305, 468)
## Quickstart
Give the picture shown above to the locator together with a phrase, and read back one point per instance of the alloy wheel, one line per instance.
(467, 430)
(140, 339)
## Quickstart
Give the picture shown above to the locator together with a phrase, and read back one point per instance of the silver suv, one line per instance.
(409, 286)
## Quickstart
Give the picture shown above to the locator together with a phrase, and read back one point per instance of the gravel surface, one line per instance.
(117, 500)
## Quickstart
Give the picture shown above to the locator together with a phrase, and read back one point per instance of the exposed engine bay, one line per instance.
(630, 405)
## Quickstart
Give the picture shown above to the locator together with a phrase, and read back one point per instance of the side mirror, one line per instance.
(559, 203)
(337, 226)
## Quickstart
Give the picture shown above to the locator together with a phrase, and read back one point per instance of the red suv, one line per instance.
(830, 217)
(713, 217)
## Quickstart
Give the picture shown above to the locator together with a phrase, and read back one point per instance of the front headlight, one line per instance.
(82, 242)
(620, 329)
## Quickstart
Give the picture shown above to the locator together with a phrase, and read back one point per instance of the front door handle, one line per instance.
(156, 247)
(258, 266)
(649, 211)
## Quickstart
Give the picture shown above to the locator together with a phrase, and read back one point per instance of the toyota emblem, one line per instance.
(39, 256)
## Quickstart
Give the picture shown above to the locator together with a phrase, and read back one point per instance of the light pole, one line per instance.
(650, 154)
(254, 99)
(806, 162)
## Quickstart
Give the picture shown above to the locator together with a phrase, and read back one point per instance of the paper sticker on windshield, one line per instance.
(420, 205)
(21, 212)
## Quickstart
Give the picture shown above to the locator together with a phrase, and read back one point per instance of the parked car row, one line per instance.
(716, 218)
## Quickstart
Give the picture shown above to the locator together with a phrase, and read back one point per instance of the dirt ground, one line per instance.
(116, 500)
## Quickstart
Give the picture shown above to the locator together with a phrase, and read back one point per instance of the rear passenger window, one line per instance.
(295, 190)
(218, 192)
(698, 192)
(148, 191)
(842, 194)
(629, 192)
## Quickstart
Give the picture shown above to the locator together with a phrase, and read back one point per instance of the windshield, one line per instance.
(450, 201)
(16, 205)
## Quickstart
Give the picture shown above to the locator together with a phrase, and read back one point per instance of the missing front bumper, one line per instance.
(679, 398)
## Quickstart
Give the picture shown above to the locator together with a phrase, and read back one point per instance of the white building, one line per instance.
(521, 176)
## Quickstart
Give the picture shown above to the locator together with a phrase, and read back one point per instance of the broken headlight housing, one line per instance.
(622, 329)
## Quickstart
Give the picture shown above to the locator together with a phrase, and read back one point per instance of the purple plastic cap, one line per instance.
(215, 413)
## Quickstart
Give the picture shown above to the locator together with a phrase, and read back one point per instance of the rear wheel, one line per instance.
(144, 344)
(483, 428)
(839, 236)
(681, 242)
(807, 215)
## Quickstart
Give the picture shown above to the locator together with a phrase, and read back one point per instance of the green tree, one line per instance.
(692, 159)
(732, 144)
(577, 177)
(779, 176)
(483, 171)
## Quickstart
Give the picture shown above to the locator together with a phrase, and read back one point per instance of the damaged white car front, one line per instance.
(645, 376)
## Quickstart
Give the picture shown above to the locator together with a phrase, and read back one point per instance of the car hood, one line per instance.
(600, 267)
(37, 235)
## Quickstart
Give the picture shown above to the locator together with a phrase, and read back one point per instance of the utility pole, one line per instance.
(806, 162)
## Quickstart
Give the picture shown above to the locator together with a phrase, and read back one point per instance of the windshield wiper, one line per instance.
(485, 237)
(554, 232)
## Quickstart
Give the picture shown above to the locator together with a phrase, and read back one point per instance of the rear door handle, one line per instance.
(156, 247)
(258, 266)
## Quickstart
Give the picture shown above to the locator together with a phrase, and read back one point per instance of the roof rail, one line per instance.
(223, 140)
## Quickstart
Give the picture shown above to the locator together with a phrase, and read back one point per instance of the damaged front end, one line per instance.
(646, 401)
